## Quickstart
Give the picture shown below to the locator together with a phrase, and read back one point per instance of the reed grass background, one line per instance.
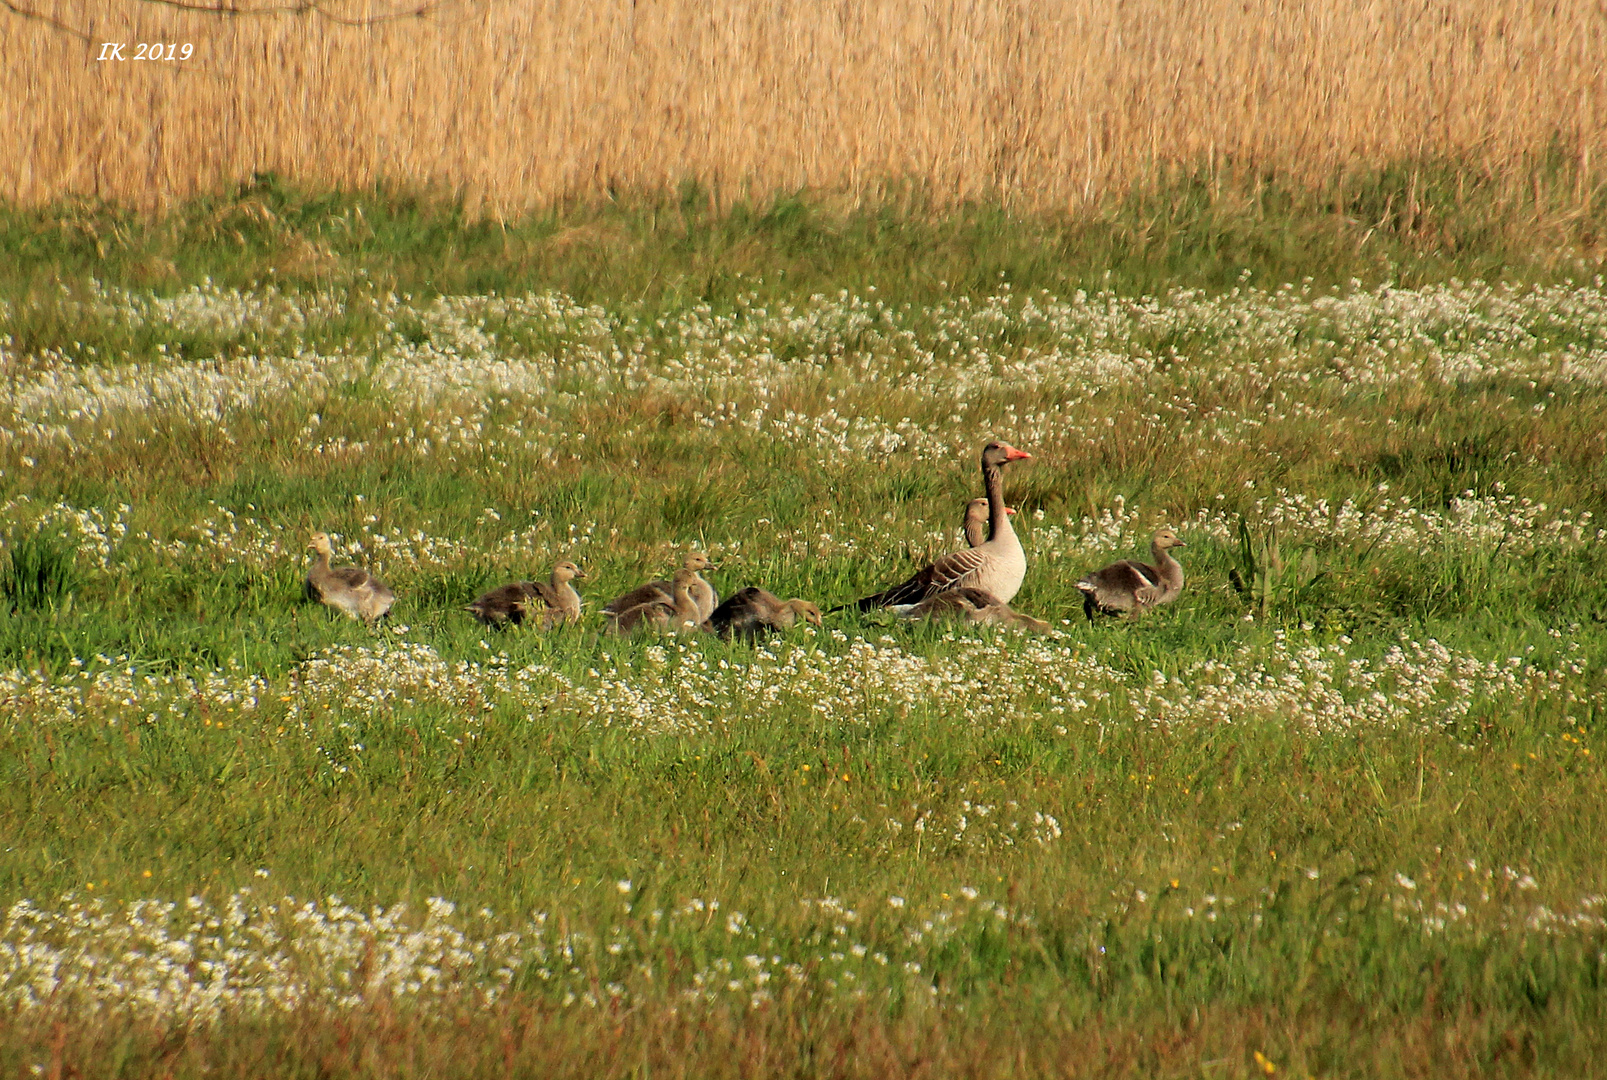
(1050, 104)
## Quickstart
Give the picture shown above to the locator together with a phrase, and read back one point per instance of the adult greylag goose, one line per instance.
(680, 614)
(996, 566)
(703, 593)
(974, 605)
(976, 522)
(350, 590)
(1132, 586)
(751, 612)
(555, 600)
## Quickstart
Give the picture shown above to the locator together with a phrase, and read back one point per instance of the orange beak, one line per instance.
(1012, 454)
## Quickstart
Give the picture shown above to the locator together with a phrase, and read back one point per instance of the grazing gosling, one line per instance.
(752, 612)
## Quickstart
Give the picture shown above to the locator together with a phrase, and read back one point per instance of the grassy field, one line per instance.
(1346, 821)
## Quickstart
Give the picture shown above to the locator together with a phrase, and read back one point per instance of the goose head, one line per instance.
(1166, 539)
(977, 510)
(319, 542)
(998, 453)
(697, 561)
(567, 571)
(806, 611)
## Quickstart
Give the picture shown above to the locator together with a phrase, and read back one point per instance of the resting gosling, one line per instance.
(974, 605)
(703, 593)
(680, 615)
(556, 600)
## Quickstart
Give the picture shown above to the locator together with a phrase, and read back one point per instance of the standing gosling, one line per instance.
(1130, 586)
(350, 590)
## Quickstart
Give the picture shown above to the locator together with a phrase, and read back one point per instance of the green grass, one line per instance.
(40, 574)
(1244, 860)
(672, 249)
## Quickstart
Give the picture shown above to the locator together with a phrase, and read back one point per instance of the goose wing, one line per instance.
(502, 602)
(745, 611)
(652, 592)
(513, 593)
(353, 577)
(544, 591)
(965, 600)
(1123, 585)
(952, 571)
(653, 613)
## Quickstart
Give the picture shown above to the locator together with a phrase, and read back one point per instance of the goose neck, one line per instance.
(993, 484)
(1164, 562)
(684, 604)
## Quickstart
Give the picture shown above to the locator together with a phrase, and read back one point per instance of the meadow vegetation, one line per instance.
(1340, 818)
(1318, 285)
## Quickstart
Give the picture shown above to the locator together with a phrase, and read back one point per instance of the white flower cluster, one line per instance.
(98, 532)
(197, 961)
(1321, 688)
(847, 376)
(685, 686)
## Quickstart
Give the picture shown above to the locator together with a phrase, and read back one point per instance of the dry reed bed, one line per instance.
(1054, 104)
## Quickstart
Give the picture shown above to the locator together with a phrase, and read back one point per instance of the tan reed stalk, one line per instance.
(1046, 103)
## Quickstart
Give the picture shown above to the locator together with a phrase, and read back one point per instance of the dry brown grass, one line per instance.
(1048, 103)
(796, 1038)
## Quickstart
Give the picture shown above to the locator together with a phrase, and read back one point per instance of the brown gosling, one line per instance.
(560, 595)
(556, 600)
(350, 590)
(975, 525)
(1132, 587)
(752, 612)
(975, 606)
(679, 615)
(703, 594)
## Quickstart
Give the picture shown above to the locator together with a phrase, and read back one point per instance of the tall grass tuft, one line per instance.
(40, 573)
